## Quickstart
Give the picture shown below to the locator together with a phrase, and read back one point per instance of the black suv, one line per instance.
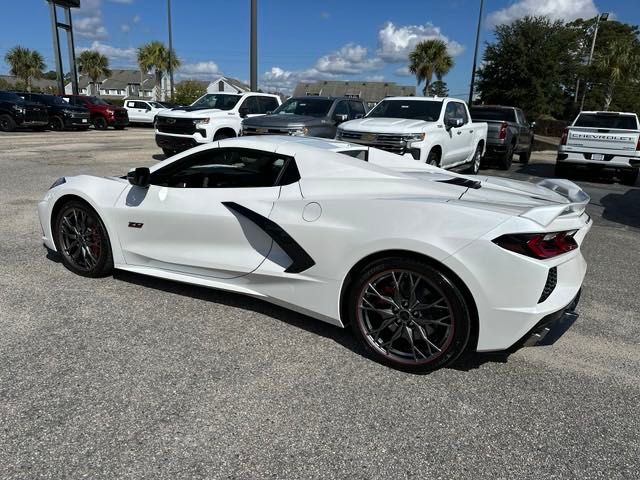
(16, 112)
(308, 116)
(62, 115)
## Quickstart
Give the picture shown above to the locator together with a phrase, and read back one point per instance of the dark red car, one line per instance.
(103, 114)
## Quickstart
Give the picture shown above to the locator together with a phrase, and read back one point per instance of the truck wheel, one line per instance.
(7, 124)
(433, 158)
(504, 163)
(474, 167)
(222, 135)
(100, 123)
(629, 177)
(526, 156)
(56, 124)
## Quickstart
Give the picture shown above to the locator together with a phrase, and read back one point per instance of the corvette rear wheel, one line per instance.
(408, 315)
(82, 241)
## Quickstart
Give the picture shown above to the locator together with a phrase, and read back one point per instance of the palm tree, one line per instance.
(619, 62)
(154, 55)
(25, 64)
(94, 65)
(430, 57)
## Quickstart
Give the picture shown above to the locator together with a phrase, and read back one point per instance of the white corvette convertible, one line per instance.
(422, 263)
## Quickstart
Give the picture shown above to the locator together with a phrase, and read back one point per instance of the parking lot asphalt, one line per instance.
(134, 377)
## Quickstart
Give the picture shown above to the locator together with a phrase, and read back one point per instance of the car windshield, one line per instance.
(10, 97)
(497, 114)
(305, 106)
(50, 100)
(155, 105)
(606, 120)
(216, 100)
(426, 110)
(98, 101)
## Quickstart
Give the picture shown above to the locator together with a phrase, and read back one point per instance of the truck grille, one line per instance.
(265, 131)
(36, 115)
(181, 126)
(549, 287)
(121, 114)
(384, 141)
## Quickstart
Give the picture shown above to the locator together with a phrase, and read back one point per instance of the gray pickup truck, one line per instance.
(307, 116)
(509, 133)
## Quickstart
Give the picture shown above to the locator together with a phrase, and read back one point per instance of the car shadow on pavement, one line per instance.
(159, 156)
(473, 360)
(622, 208)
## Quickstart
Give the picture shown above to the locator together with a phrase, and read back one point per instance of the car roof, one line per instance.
(420, 99)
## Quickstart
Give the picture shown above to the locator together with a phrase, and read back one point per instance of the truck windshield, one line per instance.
(10, 97)
(50, 100)
(497, 114)
(216, 100)
(426, 110)
(607, 120)
(98, 101)
(305, 106)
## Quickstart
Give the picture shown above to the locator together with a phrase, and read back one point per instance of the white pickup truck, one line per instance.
(438, 131)
(602, 140)
(212, 117)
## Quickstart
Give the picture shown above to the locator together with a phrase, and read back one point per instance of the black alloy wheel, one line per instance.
(408, 315)
(504, 163)
(7, 124)
(82, 241)
(56, 124)
(474, 166)
(100, 123)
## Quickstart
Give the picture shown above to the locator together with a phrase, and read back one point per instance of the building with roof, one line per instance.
(370, 92)
(227, 84)
(40, 84)
(123, 84)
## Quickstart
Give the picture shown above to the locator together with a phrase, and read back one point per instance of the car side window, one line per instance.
(357, 110)
(450, 111)
(523, 119)
(223, 168)
(252, 105)
(267, 104)
(341, 109)
(131, 104)
(461, 112)
(142, 105)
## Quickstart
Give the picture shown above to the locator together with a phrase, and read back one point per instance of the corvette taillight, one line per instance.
(539, 245)
(503, 131)
(565, 134)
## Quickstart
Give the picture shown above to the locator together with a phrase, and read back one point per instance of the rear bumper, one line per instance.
(612, 161)
(176, 143)
(72, 122)
(548, 330)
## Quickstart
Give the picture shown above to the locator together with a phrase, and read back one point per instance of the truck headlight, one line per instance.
(413, 137)
(18, 109)
(201, 121)
(299, 131)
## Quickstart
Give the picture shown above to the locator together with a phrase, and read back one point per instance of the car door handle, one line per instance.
(470, 131)
(459, 132)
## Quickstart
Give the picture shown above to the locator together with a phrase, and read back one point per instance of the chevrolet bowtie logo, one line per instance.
(171, 120)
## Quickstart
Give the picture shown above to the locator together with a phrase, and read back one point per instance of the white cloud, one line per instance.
(136, 19)
(89, 22)
(279, 79)
(114, 54)
(395, 42)
(125, 28)
(374, 78)
(403, 72)
(350, 59)
(199, 70)
(555, 9)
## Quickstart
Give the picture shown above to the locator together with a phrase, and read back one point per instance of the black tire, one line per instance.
(168, 152)
(504, 162)
(100, 123)
(82, 240)
(7, 124)
(433, 158)
(629, 177)
(435, 329)
(221, 135)
(524, 157)
(119, 127)
(474, 166)
(562, 170)
(56, 124)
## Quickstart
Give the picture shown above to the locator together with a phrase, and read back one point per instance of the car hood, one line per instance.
(385, 125)
(284, 121)
(188, 112)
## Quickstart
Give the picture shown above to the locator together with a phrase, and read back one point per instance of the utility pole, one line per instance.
(253, 63)
(170, 48)
(600, 18)
(475, 54)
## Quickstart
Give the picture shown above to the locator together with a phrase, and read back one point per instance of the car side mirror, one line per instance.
(243, 111)
(341, 117)
(140, 177)
(453, 122)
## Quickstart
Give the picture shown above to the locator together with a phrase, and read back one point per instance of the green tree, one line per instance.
(95, 65)
(620, 62)
(438, 89)
(155, 56)
(187, 91)
(429, 58)
(50, 75)
(25, 64)
(533, 64)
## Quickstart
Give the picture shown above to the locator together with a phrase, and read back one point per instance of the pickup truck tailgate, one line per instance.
(603, 139)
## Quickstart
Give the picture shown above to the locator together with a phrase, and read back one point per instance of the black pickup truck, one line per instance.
(62, 115)
(508, 133)
(16, 112)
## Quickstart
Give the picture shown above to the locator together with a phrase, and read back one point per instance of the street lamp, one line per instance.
(475, 55)
(600, 18)
(170, 48)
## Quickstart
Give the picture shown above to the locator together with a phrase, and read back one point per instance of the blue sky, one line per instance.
(320, 39)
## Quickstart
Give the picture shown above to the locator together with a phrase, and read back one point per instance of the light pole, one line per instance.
(475, 55)
(253, 62)
(600, 18)
(170, 48)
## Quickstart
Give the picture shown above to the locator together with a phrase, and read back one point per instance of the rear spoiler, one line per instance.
(578, 201)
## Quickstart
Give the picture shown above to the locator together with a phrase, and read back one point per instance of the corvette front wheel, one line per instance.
(408, 315)
(82, 241)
